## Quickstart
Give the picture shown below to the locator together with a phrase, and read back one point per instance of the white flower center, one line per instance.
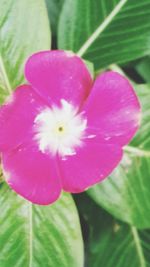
(59, 129)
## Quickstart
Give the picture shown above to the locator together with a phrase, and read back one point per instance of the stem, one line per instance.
(101, 28)
(137, 151)
(138, 246)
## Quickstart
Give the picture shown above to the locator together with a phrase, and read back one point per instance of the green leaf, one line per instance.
(143, 69)
(105, 32)
(90, 67)
(24, 29)
(3, 95)
(39, 236)
(111, 243)
(1, 175)
(126, 193)
(54, 9)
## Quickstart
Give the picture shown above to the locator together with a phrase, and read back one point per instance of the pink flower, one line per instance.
(62, 131)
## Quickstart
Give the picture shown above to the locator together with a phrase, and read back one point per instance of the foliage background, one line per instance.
(114, 215)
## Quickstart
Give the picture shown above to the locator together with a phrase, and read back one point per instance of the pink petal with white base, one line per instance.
(32, 174)
(17, 116)
(112, 109)
(58, 75)
(91, 164)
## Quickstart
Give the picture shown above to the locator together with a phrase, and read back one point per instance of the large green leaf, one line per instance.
(24, 29)
(121, 245)
(126, 193)
(106, 31)
(38, 236)
(110, 243)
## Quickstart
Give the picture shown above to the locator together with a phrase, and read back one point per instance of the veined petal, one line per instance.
(57, 75)
(17, 116)
(90, 165)
(32, 174)
(112, 109)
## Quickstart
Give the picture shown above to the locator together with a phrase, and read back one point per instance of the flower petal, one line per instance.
(91, 164)
(17, 116)
(58, 75)
(32, 174)
(112, 109)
